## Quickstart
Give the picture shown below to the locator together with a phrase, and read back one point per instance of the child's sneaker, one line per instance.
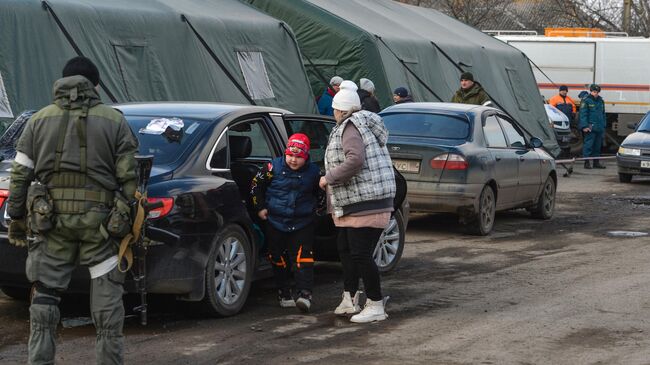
(285, 299)
(304, 301)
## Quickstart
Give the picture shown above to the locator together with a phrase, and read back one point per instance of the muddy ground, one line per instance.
(533, 292)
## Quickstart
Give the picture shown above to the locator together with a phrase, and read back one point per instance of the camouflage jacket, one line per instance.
(110, 151)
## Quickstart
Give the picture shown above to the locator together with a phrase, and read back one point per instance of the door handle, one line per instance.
(521, 158)
(497, 157)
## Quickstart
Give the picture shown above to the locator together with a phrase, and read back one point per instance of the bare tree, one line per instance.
(607, 14)
(473, 12)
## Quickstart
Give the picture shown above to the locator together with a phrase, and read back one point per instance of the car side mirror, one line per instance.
(632, 125)
(536, 142)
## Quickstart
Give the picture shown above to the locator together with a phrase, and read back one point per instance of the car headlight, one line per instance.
(629, 151)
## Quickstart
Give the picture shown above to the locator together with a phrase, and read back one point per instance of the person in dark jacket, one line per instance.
(470, 92)
(592, 124)
(564, 103)
(325, 100)
(285, 194)
(367, 96)
(401, 95)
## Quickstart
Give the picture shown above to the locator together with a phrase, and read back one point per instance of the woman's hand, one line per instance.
(263, 214)
(322, 183)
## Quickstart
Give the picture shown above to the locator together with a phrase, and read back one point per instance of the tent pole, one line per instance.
(68, 37)
(218, 61)
(409, 70)
(318, 73)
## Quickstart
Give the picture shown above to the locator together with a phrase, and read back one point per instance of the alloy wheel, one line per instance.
(230, 270)
(549, 197)
(487, 209)
(387, 247)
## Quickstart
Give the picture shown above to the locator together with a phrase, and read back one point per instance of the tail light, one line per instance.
(4, 194)
(168, 204)
(449, 161)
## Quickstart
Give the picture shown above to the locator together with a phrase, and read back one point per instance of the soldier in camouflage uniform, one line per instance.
(81, 155)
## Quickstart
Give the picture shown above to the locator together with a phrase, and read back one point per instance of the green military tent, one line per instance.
(146, 50)
(395, 45)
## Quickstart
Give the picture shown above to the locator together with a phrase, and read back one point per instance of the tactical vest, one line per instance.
(73, 192)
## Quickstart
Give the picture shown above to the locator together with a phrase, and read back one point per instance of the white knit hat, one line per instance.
(347, 98)
(336, 80)
(365, 84)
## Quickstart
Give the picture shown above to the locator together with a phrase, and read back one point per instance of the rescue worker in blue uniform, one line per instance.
(592, 124)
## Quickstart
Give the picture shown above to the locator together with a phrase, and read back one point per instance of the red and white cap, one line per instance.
(298, 145)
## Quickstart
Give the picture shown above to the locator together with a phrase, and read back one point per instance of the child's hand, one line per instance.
(322, 183)
(263, 214)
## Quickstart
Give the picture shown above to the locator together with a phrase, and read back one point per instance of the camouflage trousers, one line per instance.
(52, 257)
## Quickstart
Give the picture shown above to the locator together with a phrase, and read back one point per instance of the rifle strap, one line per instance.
(126, 251)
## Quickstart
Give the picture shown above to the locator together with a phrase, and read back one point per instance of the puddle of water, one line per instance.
(629, 234)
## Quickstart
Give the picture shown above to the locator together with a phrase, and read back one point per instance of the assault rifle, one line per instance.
(144, 233)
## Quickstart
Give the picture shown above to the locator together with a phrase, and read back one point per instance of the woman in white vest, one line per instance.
(360, 186)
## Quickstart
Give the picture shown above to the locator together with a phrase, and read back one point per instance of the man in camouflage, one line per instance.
(74, 189)
(470, 92)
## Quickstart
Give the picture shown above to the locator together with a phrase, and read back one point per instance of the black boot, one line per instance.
(587, 165)
(597, 165)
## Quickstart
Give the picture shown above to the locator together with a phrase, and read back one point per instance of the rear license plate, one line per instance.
(645, 164)
(410, 166)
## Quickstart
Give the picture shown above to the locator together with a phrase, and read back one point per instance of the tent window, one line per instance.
(515, 82)
(254, 71)
(5, 108)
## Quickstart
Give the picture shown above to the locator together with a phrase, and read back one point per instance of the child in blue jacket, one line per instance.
(285, 194)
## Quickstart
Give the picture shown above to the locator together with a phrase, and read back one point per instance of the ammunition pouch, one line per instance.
(40, 209)
(118, 222)
(75, 193)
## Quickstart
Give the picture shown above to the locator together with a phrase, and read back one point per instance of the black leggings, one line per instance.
(356, 246)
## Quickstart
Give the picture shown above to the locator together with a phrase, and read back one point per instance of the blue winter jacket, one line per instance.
(325, 103)
(291, 197)
(592, 113)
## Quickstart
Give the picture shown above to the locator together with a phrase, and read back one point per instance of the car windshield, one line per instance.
(644, 125)
(169, 145)
(426, 125)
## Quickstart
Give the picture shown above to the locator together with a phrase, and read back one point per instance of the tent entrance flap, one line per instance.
(218, 61)
(136, 63)
(68, 37)
(404, 64)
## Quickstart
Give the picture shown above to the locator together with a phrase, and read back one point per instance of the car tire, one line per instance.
(483, 222)
(390, 246)
(229, 273)
(546, 201)
(13, 292)
(625, 178)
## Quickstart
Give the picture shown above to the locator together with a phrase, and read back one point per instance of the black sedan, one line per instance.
(469, 160)
(633, 157)
(202, 175)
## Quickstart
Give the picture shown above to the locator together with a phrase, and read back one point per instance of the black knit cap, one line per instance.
(467, 76)
(82, 66)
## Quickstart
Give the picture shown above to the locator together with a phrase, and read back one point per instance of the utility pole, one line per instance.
(627, 14)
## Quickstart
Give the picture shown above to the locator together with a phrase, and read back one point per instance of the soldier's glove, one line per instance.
(18, 232)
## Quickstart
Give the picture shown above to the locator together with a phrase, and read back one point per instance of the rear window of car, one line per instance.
(166, 147)
(426, 125)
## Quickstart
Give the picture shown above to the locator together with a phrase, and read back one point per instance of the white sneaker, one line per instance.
(349, 305)
(303, 304)
(287, 303)
(372, 311)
